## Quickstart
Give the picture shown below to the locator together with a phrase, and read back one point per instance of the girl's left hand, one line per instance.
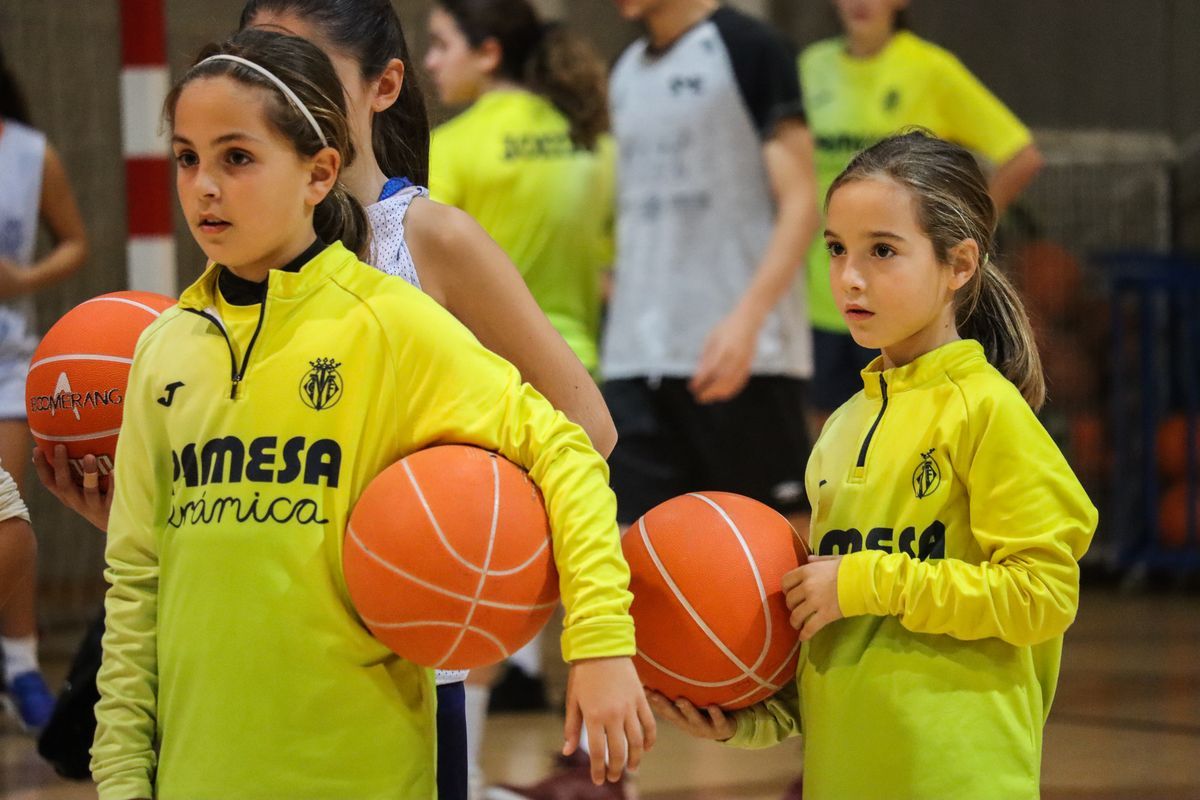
(811, 595)
(606, 695)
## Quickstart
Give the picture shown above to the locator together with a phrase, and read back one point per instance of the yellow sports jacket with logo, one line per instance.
(961, 527)
(234, 665)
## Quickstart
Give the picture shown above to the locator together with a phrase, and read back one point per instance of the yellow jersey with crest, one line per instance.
(961, 526)
(234, 664)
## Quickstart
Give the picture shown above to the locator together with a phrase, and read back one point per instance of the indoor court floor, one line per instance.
(1125, 724)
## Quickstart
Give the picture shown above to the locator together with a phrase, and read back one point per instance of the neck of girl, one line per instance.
(868, 45)
(305, 246)
(363, 178)
(673, 20)
(498, 84)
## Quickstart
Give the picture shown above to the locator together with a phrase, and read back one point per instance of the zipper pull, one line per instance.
(233, 388)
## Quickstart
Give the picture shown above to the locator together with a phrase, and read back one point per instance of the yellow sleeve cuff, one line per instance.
(132, 786)
(600, 637)
(857, 593)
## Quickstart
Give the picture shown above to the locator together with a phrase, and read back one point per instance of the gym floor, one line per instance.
(1125, 724)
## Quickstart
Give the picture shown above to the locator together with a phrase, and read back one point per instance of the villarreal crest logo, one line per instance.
(926, 477)
(321, 386)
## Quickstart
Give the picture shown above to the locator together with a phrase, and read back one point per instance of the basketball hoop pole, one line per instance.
(150, 250)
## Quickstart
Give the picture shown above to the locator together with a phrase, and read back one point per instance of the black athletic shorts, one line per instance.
(838, 362)
(668, 444)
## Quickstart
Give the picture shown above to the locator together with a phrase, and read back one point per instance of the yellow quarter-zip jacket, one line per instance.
(234, 665)
(961, 527)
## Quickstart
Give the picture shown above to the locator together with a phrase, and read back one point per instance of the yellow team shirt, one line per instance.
(508, 162)
(961, 527)
(234, 664)
(851, 103)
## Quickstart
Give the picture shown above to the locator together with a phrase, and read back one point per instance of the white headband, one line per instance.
(283, 87)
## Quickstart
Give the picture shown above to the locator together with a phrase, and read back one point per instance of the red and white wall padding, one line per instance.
(144, 84)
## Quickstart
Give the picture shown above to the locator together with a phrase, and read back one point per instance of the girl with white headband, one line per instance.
(234, 666)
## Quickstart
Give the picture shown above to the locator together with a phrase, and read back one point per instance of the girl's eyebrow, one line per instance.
(886, 235)
(222, 139)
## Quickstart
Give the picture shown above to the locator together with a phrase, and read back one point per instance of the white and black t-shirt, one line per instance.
(695, 210)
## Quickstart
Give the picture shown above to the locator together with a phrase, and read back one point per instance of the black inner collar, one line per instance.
(241, 292)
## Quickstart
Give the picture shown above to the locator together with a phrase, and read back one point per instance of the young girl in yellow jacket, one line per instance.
(947, 526)
(234, 666)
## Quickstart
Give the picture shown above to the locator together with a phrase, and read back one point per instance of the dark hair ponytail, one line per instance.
(339, 217)
(12, 101)
(307, 71)
(546, 59)
(953, 205)
(370, 32)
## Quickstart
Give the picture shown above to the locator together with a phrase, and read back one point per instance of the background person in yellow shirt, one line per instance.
(234, 664)
(875, 80)
(947, 526)
(530, 159)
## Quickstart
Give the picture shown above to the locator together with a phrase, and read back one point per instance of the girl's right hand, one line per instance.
(89, 501)
(711, 723)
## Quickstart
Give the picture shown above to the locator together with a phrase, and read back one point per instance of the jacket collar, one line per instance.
(281, 285)
(950, 357)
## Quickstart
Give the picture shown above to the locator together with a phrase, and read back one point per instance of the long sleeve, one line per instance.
(1031, 521)
(770, 722)
(123, 756)
(456, 391)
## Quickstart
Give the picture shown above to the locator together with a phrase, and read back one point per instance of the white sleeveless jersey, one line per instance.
(389, 253)
(22, 154)
(389, 250)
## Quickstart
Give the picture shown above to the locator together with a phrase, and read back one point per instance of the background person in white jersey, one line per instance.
(33, 190)
(707, 343)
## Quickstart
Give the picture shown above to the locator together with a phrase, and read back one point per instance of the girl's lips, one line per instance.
(859, 313)
(213, 226)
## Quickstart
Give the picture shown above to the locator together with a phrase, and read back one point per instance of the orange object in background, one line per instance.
(1173, 515)
(1172, 446)
(1050, 277)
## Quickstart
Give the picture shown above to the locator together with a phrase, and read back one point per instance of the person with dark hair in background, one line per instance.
(874, 80)
(36, 191)
(530, 159)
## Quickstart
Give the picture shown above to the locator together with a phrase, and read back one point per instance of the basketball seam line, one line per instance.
(487, 560)
(125, 300)
(78, 438)
(750, 562)
(438, 589)
(691, 611)
(79, 357)
(770, 684)
(439, 623)
(450, 548)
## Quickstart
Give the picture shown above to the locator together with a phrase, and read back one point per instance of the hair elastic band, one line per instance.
(283, 87)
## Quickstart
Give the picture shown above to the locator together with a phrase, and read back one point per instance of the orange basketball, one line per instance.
(1172, 446)
(712, 624)
(448, 558)
(1173, 515)
(75, 391)
(1050, 277)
